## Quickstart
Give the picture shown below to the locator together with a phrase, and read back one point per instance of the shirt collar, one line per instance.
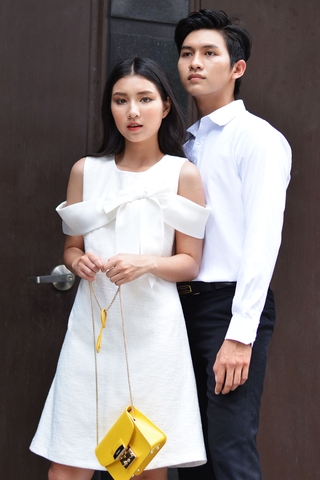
(220, 117)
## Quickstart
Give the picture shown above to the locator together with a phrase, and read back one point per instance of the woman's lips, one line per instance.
(134, 126)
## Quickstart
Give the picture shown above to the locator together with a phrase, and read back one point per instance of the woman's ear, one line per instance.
(166, 107)
(239, 68)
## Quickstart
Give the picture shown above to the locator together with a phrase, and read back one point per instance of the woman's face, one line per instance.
(138, 108)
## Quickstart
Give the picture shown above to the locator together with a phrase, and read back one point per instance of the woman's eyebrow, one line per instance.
(124, 94)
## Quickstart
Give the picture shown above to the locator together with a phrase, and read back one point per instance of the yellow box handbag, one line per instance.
(133, 441)
(130, 445)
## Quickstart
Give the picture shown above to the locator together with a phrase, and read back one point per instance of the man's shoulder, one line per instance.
(253, 128)
(248, 120)
(255, 134)
(234, 115)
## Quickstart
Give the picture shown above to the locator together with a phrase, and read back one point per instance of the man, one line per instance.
(229, 309)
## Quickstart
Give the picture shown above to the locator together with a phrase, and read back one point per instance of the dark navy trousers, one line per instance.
(230, 422)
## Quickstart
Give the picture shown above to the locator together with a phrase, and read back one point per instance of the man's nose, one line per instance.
(196, 61)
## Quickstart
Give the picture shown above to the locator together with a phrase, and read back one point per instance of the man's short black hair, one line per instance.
(238, 40)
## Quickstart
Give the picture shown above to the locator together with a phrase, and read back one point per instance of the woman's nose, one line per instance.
(133, 111)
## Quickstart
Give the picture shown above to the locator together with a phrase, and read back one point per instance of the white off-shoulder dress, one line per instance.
(126, 212)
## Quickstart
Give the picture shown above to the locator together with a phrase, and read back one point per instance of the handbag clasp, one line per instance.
(126, 457)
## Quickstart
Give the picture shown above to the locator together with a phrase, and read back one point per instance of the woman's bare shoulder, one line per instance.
(190, 184)
(75, 185)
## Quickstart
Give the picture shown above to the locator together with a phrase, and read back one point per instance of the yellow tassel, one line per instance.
(103, 317)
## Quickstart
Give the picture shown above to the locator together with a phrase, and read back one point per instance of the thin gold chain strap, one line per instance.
(95, 362)
(93, 294)
(126, 350)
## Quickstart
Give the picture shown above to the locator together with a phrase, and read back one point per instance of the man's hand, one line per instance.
(231, 367)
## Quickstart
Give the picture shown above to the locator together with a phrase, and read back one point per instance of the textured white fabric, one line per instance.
(245, 167)
(149, 209)
(83, 217)
(161, 371)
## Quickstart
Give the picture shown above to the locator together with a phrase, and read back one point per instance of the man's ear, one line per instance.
(166, 107)
(239, 68)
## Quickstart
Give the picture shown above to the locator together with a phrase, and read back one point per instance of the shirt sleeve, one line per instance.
(265, 174)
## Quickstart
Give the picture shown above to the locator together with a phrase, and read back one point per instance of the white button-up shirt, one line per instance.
(245, 168)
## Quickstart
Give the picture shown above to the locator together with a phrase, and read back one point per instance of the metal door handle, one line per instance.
(61, 278)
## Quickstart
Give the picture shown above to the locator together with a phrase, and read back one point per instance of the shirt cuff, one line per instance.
(242, 330)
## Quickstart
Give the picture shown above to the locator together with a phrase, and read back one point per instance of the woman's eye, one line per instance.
(185, 54)
(145, 99)
(120, 101)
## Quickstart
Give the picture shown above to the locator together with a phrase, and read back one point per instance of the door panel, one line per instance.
(49, 88)
(281, 85)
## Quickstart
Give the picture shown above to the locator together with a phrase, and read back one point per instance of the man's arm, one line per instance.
(265, 173)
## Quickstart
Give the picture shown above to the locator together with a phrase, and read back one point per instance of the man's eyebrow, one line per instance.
(186, 47)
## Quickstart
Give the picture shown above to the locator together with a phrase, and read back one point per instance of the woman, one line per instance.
(134, 217)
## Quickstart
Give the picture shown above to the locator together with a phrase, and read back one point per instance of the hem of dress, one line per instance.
(98, 467)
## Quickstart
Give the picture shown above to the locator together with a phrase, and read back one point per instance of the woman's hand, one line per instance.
(125, 267)
(88, 265)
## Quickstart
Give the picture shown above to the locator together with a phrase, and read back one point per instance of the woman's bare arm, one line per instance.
(85, 265)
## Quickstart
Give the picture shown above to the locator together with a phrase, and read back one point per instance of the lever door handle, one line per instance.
(61, 278)
(68, 277)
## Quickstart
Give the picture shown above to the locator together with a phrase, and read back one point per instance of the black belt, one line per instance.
(194, 288)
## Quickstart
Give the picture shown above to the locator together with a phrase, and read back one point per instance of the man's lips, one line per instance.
(195, 76)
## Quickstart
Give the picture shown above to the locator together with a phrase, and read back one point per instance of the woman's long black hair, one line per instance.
(172, 131)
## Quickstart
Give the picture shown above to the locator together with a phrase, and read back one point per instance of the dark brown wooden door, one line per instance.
(282, 85)
(50, 74)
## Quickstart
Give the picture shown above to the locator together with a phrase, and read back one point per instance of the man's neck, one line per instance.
(206, 105)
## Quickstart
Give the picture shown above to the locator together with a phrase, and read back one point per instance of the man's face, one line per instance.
(204, 64)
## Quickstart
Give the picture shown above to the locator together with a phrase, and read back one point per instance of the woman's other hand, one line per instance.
(125, 267)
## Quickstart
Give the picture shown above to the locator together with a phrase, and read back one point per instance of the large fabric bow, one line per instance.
(139, 215)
